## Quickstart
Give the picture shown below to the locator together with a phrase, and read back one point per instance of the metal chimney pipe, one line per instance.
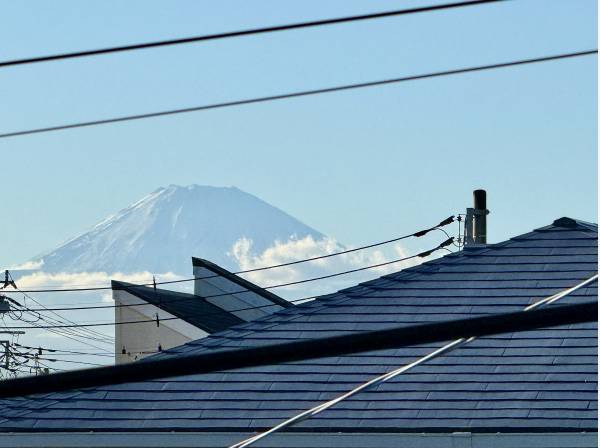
(480, 217)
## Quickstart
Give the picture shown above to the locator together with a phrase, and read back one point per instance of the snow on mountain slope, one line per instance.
(160, 232)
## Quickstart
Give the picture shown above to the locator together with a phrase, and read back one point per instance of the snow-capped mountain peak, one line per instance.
(161, 231)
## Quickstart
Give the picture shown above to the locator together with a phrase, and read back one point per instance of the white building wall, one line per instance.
(246, 305)
(141, 340)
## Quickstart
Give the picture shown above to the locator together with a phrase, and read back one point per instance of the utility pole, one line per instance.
(6, 353)
(5, 357)
(5, 345)
(8, 280)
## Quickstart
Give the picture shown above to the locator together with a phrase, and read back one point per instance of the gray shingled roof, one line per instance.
(543, 380)
(188, 307)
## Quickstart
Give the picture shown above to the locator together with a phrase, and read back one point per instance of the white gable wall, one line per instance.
(140, 340)
(247, 305)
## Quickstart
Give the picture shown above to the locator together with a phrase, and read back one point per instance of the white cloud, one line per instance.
(107, 298)
(308, 247)
(27, 266)
(45, 280)
(48, 334)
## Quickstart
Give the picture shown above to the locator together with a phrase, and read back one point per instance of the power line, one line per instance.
(59, 351)
(167, 302)
(71, 334)
(302, 350)
(75, 335)
(70, 361)
(81, 339)
(312, 279)
(84, 333)
(453, 345)
(416, 234)
(298, 94)
(251, 31)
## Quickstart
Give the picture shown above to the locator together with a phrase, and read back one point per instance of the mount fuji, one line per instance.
(160, 232)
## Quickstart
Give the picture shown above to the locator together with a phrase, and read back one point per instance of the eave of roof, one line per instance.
(188, 307)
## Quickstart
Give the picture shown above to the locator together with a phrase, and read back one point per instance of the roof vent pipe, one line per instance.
(476, 220)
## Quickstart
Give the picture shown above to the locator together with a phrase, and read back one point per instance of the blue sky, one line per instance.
(360, 166)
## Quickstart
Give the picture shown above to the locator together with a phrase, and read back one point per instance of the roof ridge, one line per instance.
(131, 287)
(337, 297)
(569, 223)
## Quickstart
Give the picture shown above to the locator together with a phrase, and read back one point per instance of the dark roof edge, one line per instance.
(570, 223)
(200, 262)
(118, 285)
(333, 429)
(214, 309)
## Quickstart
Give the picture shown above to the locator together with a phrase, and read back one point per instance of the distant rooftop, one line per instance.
(188, 307)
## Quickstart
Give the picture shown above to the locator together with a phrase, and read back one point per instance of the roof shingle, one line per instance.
(542, 380)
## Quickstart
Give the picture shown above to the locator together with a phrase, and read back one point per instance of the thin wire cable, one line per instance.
(69, 336)
(167, 302)
(390, 375)
(67, 333)
(60, 351)
(317, 409)
(439, 247)
(86, 336)
(71, 355)
(281, 285)
(560, 295)
(64, 334)
(252, 31)
(416, 234)
(84, 333)
(70, 361)
(298, 94)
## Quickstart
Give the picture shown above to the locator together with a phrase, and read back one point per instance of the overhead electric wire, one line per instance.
(83, 333)
(70, 361)
(181, 299)
(60, 351)
(247, 32)
(312, 279)
(68, 333)
(46, 366)
(215, 361)
(398, 371)
(71, 355)
(301, 93)
(417, 234)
